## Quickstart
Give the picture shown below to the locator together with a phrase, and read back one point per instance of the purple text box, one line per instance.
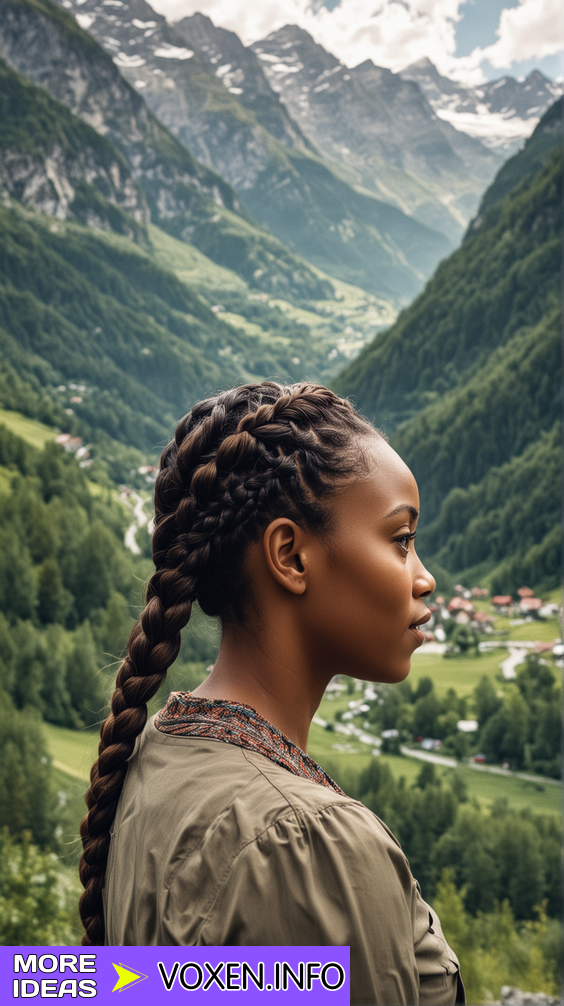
(176, 974)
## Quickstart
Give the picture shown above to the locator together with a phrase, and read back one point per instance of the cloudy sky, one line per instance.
(471, 40)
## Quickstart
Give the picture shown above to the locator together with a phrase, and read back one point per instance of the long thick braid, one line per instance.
(152, 647)
(236, 461)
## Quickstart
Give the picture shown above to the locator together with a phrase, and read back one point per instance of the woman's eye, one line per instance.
(404, 540)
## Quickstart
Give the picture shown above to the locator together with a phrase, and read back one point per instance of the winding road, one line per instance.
(133, 501)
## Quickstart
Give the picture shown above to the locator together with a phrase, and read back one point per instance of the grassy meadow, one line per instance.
(31, 430)
(461, 674)
(542, 798)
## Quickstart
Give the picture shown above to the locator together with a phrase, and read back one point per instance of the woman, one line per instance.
(286, 514)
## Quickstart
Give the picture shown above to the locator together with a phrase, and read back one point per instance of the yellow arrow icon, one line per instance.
(127, 976)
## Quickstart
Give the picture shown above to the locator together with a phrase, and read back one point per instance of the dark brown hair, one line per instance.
(237, 461)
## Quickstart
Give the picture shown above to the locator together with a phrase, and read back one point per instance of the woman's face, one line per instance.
(366, 585)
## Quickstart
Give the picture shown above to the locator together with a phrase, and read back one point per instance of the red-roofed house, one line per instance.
(502, 600)
(525, 592)
(530, 603)
(459, 604)
(70, 444)
(481, 616)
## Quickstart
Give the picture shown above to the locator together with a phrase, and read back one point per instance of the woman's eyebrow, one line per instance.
(401, 509)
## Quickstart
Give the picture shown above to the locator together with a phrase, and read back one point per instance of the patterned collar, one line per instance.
(188, 715)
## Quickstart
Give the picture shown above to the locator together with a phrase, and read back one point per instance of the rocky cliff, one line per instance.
(53, 162)
(46, 45)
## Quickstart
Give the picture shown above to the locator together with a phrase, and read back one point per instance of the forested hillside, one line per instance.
(530, 159)
(66, 584)
(69, 589)
(498, 281)
(509, 520)
(78, 306)
(467, 381)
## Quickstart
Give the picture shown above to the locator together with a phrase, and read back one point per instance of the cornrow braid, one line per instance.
(237, 461)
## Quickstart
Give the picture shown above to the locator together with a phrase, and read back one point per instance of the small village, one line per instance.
(470, 608)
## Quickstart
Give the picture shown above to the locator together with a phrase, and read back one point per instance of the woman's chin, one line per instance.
(388, 675)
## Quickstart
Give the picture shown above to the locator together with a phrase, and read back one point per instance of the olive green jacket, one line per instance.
(215, 845)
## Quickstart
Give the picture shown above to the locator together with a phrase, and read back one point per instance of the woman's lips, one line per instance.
(418, 634)
(414, 627)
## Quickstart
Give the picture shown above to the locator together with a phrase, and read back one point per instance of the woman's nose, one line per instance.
(424, 582)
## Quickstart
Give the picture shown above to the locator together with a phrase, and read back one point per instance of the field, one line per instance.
(546, 631)
(462, 674)
(539, 630)
(189, 264)
(30, 430)
(5, 479)
(72, 751)
(541, 798)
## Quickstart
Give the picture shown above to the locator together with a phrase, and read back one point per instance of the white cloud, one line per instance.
(251, 21)
(390, 32)
(532, 30)
(393, 33)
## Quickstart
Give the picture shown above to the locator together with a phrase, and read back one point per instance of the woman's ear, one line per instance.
(284, 548)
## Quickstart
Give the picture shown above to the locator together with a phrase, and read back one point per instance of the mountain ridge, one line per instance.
(467, 383)
(246, 134)
(380, 128)
(498, 112)
(463, 330)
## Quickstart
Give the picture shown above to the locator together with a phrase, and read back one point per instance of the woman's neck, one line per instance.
(271, 675)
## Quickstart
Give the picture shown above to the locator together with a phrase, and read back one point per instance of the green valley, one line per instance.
(95, 310)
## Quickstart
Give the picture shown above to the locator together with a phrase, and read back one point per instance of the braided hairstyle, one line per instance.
(237, 461)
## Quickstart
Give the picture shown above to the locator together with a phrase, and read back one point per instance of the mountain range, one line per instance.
(183, 196)
(498, 112)
(372, 126)
(339, 164)
(250, 139)
(379, 128)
